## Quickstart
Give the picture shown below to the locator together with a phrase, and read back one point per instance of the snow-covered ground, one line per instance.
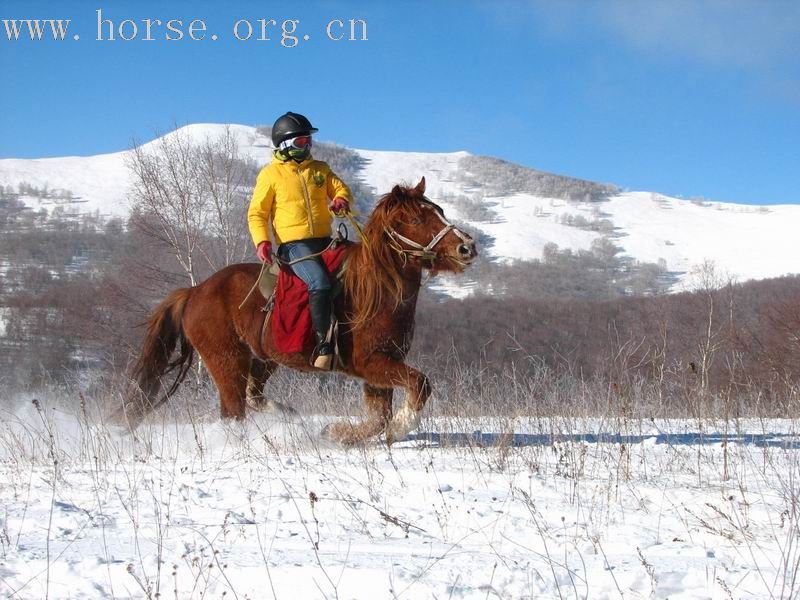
(747, 242)
(268, 510)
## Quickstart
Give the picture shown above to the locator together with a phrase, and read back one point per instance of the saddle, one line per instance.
(287, 302)
(268, 280)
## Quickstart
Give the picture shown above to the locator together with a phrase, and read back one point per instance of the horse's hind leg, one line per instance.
(257, 377)
(260, 372)
(229, 366)
(379, 413)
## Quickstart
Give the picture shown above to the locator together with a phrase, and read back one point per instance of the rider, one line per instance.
(291, 195)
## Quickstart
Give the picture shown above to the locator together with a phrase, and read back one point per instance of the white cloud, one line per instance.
(760, 35)
(739, 33)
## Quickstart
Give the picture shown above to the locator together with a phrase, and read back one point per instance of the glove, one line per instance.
(340, 206)
(264, 252)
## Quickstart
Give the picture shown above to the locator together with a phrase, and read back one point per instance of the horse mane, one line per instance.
(372, 276)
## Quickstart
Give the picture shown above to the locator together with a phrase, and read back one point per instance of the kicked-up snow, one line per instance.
(267, 509)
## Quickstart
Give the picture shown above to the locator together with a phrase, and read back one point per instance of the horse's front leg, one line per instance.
(384, 371)
(379, 411)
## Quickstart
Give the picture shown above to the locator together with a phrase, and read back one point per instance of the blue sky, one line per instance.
(692, 98)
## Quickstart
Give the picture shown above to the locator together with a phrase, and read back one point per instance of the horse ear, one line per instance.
(420, 189)
(397, 191)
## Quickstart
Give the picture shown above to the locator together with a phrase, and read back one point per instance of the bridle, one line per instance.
(418, 250)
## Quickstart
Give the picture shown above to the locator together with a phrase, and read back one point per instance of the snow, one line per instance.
(746, 242)
(385, 169)
(101, 183)
(453, 286)
(267, 509)
(250, 143)
(528, 223)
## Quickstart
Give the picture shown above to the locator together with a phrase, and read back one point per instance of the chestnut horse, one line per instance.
(405, 235)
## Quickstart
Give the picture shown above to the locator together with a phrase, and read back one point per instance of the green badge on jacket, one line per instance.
(319, 179)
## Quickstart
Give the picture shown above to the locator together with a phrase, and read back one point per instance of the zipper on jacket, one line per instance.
(308, 201)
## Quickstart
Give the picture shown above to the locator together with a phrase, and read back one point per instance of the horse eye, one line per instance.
(416, 221)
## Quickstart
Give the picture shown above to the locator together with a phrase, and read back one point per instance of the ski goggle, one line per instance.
(300, 142)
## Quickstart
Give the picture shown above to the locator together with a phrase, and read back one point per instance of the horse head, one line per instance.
(417, 230)
(405, 234)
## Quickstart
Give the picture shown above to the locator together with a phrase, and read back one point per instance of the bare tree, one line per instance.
(192, 198)
(708, 281)
(168, 200)
(228, 179)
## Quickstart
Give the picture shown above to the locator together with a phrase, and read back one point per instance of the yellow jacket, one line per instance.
(293, 198)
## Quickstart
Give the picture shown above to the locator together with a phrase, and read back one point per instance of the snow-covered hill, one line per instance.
(748, 242)
(100, 183)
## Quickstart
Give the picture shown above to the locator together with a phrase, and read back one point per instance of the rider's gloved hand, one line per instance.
(340, 206)
(264, 252)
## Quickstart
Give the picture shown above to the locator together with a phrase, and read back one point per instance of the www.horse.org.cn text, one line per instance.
(288, 33)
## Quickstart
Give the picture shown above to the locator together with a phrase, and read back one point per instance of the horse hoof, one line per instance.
(325, 432)
(259, 404)
(404, 422)
(341, 433)
(331, 433)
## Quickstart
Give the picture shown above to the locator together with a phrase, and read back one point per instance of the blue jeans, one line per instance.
(311, 271)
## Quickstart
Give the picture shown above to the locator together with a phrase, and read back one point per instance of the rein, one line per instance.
(417, 250)
(335, 241)
(339, 237)
(358, 228)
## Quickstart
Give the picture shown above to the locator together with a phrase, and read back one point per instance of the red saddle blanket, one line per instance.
(291, 318)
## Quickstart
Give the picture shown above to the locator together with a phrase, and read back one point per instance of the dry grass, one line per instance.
(64, 432)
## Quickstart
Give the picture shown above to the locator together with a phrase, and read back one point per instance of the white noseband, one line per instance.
(426, 252)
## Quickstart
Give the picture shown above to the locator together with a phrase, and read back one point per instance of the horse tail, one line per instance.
(164, 333)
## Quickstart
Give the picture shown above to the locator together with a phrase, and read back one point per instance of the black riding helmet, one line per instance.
(291, 125)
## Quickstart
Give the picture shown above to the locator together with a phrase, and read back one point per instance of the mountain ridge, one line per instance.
(518, 210)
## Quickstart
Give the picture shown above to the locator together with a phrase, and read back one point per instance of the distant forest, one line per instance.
(500, 177)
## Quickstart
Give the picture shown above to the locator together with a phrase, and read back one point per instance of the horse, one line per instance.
(405, 235)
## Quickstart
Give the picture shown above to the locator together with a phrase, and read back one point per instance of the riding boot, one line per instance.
(320, 305)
